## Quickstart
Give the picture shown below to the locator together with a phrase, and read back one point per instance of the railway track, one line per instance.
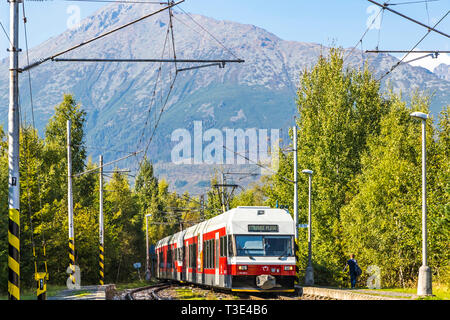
(151, 292)
(156, 292)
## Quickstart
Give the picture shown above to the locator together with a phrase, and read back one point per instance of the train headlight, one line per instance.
(288, 268)
(242, 268)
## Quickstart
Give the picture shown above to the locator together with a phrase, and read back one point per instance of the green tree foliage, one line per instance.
(365, 151)
(3, 209)
(339, 109)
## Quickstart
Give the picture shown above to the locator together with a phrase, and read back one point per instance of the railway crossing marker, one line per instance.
(137, 266)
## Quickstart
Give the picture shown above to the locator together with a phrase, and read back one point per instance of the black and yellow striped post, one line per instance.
(72, 259)
(102, 265)
(70, 204)
(14, 255)
(101, 226)
(41, 279)
(13, 157)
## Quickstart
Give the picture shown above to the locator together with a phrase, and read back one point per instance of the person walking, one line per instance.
(354, 270)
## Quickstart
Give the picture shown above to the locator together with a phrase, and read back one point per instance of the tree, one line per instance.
(55, 156)
(382, 222)
(123, 235)
(338, 111)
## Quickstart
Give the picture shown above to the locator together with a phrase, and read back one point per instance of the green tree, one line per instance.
(338, 110)
(123, 231)
(3, 211)
(382, 222)
(55, 156)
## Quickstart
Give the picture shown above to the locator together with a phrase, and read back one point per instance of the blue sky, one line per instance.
(328, 22)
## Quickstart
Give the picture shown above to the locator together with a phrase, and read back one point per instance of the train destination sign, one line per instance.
(262, 228)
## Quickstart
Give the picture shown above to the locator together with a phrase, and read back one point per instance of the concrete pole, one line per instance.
(295, 182)
(424, 287)
(13, 157)
(309, 276)
(101, 226)
(223, 193)
(70, 202)
(424, 193)
(147, 249)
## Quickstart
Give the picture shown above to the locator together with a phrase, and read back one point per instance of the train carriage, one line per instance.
(244, 249)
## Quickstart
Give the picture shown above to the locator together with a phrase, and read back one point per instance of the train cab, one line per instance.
(244, 249)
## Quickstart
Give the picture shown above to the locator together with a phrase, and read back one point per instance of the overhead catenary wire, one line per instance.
(411, 2)
(209, 33)
(6, 33)
(35, 135)
(54, 56)
(412, 49)
(259, 165)
(386, 6)
(365, 32)
(107, 164)
(118, 1)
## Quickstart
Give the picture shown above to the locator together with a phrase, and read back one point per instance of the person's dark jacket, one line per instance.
(352, 266)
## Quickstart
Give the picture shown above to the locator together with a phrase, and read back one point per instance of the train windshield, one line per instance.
(264, 246)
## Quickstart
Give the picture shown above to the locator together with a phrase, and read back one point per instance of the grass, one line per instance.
(135, 284)
(188, 294)
(30, 293)
(440, 292)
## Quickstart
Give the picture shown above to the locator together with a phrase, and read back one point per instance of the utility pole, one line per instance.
(223, 192)
(13, 157)
(101, 227)
(309, 276)
(425, 286)
(295, 182)
(70, 203)
(202, 207)
(147, 272)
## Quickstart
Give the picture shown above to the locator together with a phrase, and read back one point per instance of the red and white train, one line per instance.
(244, 249)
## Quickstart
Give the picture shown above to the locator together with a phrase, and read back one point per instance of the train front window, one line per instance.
(264, 246)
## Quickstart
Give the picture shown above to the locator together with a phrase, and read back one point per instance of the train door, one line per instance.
(194, 262)
(184, 270)
(217, 254)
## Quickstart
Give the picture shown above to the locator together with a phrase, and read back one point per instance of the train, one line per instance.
(246, 249)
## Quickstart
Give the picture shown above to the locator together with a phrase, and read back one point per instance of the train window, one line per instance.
(161, 259)
(194, 256)
(223, 246)
(230, 246)
(205, 254)
(169, 258)
(269, 246)
(213, 251)
(209, 254)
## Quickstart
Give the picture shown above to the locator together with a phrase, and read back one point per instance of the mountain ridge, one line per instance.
(116, 96)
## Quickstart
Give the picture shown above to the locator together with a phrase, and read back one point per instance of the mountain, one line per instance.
(257, 94)
(443, 71)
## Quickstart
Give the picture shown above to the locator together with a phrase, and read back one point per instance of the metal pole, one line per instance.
(309, 221)
(13, 158)
(424, 194)
(70, 203)
(146, 245)
(295, 183)
(223, 192)
(425, 286)
(101, 227)
(309, 276)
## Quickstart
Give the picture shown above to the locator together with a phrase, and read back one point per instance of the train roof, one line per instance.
(237, 221)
